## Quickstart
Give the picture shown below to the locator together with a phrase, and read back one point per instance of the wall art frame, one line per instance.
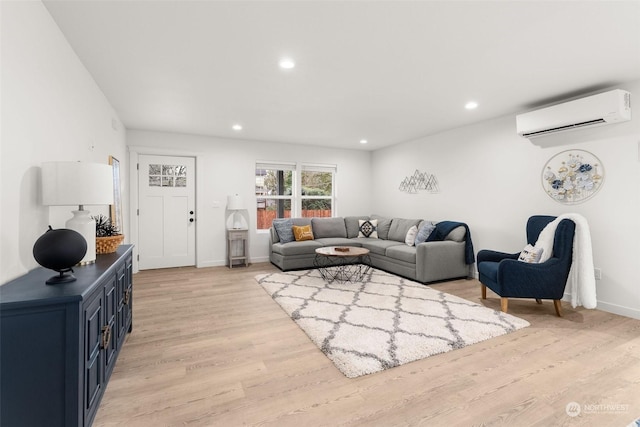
(420, 181)
(115, 210)
(572, 176)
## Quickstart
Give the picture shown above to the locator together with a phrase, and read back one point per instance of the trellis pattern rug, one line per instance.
(383, 322)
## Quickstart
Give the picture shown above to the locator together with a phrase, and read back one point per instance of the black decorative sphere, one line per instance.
(60, 250)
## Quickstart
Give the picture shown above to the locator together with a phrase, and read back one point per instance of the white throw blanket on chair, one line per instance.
(581, 281)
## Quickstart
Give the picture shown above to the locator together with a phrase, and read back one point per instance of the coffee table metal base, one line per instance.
(342, 269)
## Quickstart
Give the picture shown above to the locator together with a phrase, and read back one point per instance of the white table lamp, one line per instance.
(78, 183)
(236, 204)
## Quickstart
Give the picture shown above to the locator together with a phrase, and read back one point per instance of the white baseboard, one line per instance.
(619, 309)
(216, 263)
(223, 262)
(610, 308)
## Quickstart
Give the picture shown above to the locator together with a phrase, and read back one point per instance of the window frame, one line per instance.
(296, 198)
(276, 166)
(313, 167)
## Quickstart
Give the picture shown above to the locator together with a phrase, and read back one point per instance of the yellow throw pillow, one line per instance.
(302, 233)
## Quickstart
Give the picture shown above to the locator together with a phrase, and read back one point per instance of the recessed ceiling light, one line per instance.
(287, 63)
(471, 105)
(237, 127)
(363, 141)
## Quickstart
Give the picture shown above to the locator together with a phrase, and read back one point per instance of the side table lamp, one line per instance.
(235, 204)
(78, 183)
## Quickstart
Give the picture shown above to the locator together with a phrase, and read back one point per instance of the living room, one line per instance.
(489, 177)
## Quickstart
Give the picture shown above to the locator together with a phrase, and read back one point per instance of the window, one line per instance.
(274, 192)
(316, 190)
(285, 190)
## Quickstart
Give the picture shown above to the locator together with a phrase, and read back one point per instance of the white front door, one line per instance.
(166, 217)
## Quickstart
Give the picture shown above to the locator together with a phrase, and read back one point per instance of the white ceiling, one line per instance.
(385, 71)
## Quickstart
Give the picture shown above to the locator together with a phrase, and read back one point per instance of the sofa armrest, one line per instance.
(495, 256)
(440, 260)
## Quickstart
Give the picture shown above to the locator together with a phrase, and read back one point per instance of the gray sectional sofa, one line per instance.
(449, 257)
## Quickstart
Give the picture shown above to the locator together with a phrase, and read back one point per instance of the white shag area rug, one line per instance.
(383, 321)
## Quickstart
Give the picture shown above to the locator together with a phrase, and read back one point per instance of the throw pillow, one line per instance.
(530, 254)
(284, 228)
(411, 235)
(302, 233)
(424, 232)
(368, 228)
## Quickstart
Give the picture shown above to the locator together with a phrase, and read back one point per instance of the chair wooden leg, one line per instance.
(538, 300)
(557, 304)
(484, 292)
(504, 303)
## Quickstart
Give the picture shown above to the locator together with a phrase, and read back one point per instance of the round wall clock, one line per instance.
(572, 176)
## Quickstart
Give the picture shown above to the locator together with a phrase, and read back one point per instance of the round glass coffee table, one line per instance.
(342, 263)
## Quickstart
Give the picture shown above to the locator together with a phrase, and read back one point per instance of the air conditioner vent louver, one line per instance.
(567, 127)
(601, 109)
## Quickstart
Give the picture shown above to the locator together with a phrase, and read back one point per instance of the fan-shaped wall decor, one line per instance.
(572, 176)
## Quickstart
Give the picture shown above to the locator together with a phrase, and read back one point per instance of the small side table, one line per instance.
(237, 235)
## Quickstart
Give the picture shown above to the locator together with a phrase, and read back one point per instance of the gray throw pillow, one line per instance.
(424, 232)
(284, 228)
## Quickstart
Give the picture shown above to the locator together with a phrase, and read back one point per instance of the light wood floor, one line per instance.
(210, 348)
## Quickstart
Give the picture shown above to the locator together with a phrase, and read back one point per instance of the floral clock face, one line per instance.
(572, 176)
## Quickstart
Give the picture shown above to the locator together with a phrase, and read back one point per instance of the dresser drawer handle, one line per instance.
(106, 336)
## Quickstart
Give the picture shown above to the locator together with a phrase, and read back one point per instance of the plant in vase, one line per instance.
(108, 236)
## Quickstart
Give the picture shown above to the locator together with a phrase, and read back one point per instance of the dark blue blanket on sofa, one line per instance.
(444, 228)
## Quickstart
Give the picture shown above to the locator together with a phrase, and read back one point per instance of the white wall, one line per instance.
(51, 110)
(227, 166)
(490, 178)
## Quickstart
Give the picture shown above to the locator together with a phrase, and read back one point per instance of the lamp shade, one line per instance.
(235, 203)
(76, 183)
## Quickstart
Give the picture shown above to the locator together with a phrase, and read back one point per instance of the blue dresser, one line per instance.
(59, 343)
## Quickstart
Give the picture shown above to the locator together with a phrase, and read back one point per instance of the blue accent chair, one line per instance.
(509, 278)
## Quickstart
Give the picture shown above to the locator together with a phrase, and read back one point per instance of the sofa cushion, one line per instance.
(384, 224)
(400, 227)
(351, 223)
(403, 253)
(328, 227)
(300, 222)
(368, 228)
(284, 228)
(303, 232)
(424, 231)
(378, 246)
(305, 247)
(337, 241)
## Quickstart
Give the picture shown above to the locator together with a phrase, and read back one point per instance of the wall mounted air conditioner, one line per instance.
(601, 109)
